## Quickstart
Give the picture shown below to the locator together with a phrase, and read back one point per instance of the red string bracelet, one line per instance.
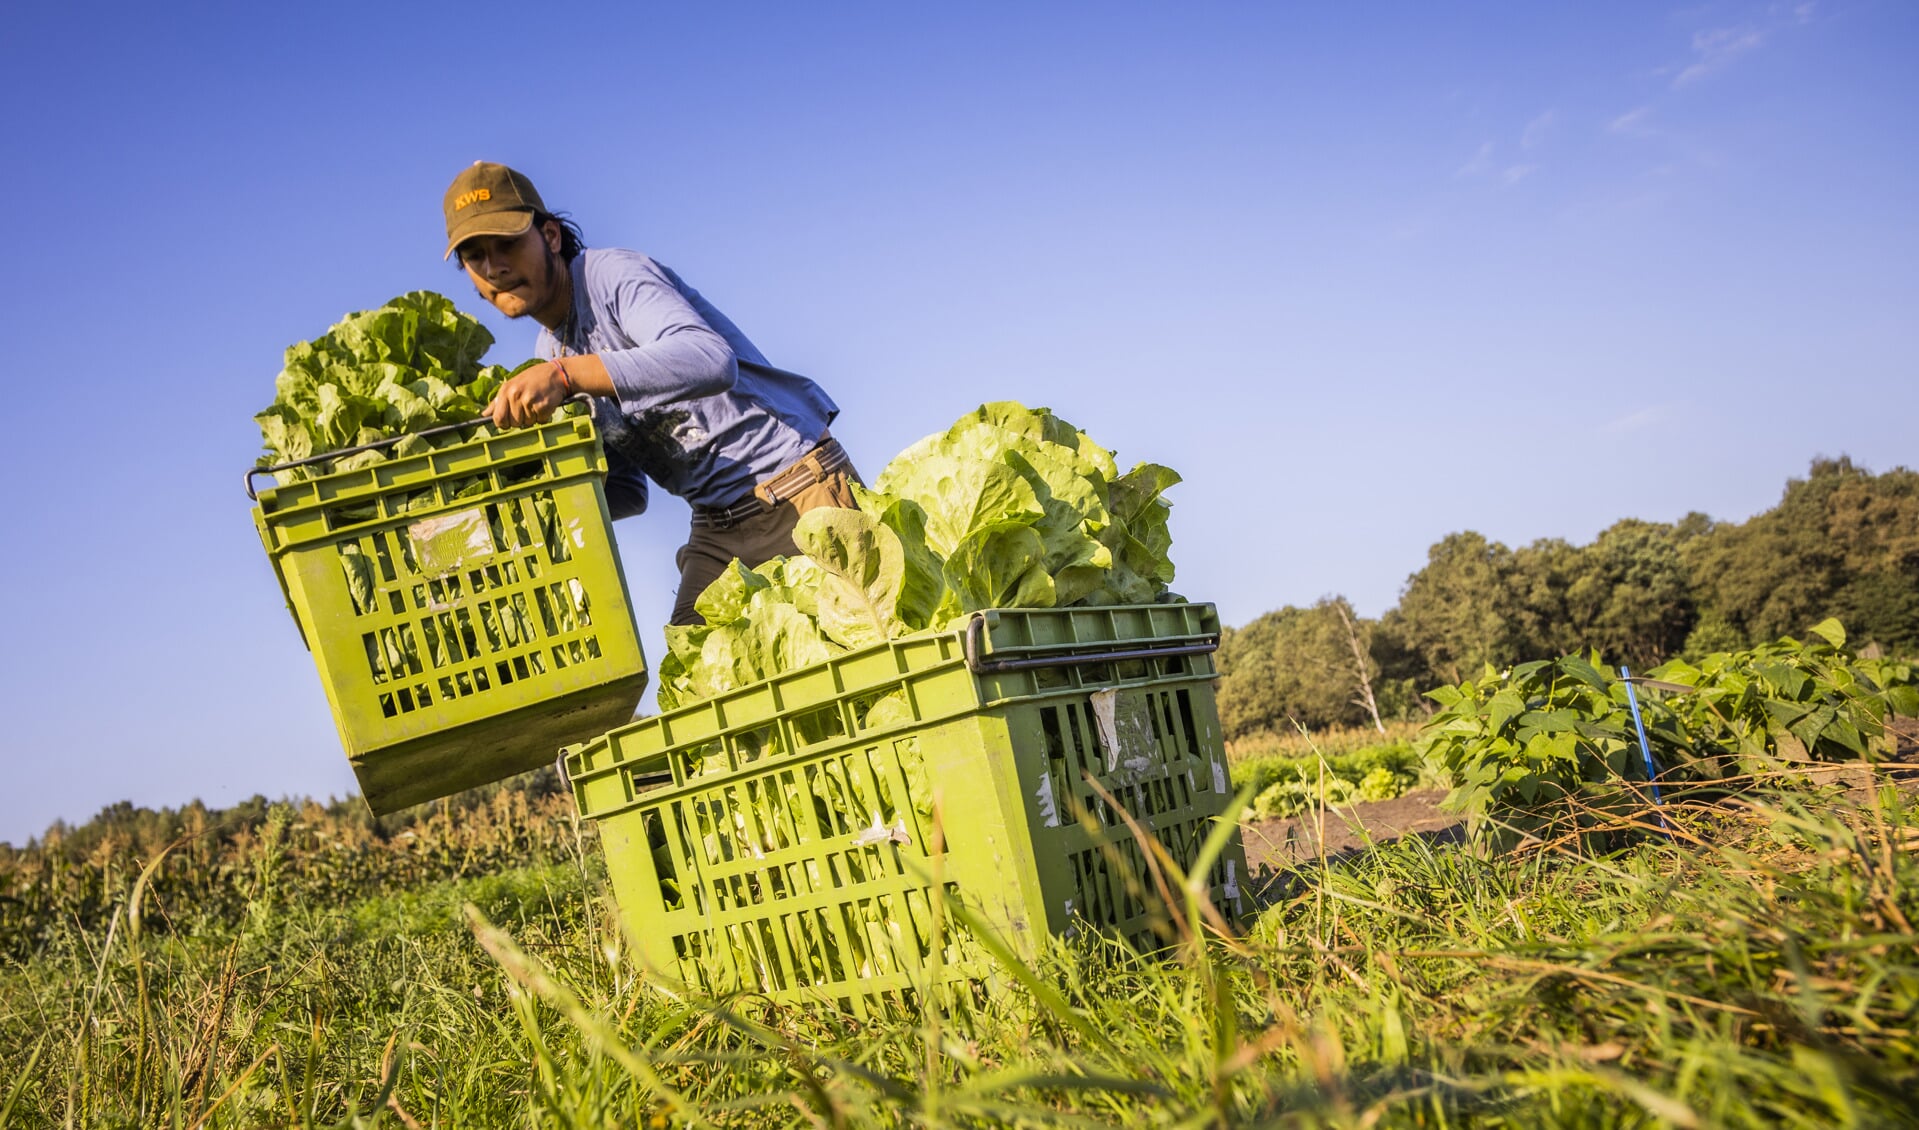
(565, 381)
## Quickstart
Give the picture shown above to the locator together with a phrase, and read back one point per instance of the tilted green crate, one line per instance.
(465, 607)
(776, 838)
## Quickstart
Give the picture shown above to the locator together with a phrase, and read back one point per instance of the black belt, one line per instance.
(827, 459)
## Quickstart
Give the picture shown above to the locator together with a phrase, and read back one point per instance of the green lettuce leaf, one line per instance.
(404, 367)
(865, 572)
(1009, 508)
(1001, 565)
(961, 494)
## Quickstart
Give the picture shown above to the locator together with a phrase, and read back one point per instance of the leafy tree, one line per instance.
(1549, 598)
(1461, 611)
(1632, 600)
(1841, 541)
(1297, 665)
(1712, 633)
(1627, 595)
(1404, 674)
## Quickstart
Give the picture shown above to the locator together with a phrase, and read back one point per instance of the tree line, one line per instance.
(1841, 542)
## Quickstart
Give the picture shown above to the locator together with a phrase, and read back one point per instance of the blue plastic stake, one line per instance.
(1645, 748)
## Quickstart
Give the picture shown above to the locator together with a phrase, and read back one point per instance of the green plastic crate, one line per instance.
(775, 839)
(465, 607)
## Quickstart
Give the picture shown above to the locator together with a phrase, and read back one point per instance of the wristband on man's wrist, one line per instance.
(566, 382)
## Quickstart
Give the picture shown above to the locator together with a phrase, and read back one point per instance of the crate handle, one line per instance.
(343, 452)
(974, 644)
(638, 782)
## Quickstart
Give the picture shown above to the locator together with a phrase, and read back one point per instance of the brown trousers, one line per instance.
(755, 541)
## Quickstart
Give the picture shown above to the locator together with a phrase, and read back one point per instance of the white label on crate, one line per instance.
(578, 530)
(1048, 809)
(879, 833)
(1104, 704)
(1232, 882)
(443, 543)
(1219, 777)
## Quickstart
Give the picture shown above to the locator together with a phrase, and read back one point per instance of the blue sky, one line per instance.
(1365, 274)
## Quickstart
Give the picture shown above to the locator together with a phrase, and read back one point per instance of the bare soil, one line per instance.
(1345, 830)
(1276, 846)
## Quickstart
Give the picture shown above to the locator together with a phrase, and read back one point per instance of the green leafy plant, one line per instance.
(401, 368)
(1535, 747)
(1550, 746)
(1011, 507)
(1288, 785)
(1788, 700)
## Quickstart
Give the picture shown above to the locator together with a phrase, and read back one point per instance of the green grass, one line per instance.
(1760, 968)
(1301, 742)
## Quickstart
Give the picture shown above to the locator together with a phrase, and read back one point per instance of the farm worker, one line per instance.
(680, 396)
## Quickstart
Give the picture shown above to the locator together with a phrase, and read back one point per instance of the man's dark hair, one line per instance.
(571, 241)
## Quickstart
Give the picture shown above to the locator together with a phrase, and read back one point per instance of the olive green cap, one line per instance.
(488, 199)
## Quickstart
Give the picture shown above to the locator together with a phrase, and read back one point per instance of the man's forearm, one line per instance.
(687, 371)
(586, 373)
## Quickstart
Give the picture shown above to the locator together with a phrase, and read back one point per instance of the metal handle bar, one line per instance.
(434, 431)
(1659, 684)
(343, 452)
(638, 781)
(974, 644)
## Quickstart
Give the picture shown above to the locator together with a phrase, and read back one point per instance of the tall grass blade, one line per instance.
(20, 1082)
(534, 977)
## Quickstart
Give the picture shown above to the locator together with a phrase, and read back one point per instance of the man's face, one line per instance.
(516, 273)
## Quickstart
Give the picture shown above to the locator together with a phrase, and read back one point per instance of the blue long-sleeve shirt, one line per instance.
(687, 416)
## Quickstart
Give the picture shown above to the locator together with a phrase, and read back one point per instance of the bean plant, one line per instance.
(1551, 747)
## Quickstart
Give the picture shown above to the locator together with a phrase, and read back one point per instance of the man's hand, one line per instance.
(529, 398)
(532, 396)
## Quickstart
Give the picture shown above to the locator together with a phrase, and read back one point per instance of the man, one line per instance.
(680, 396)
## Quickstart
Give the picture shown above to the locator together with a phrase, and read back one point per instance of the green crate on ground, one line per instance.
(777, 838)
(465, 607)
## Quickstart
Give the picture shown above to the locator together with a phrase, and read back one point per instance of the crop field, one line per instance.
(283, 966)
(1685, 899)
(1268, 567)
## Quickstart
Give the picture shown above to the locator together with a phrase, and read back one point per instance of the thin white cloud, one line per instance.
(1715, 49)
(1509, 172)
(1537, 129)
(1650, 416)
(1481, 161)
(1636, 122)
